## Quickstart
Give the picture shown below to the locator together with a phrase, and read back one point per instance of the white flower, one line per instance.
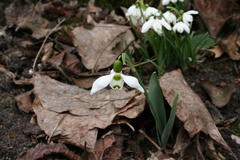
(187, 16)
(134, 15)
(170, 17)
(181, 27)
(151, 11)
(166, 2)
(156, 25)
(116, 81)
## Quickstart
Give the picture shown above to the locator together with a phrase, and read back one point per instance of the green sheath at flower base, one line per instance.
(117, 66)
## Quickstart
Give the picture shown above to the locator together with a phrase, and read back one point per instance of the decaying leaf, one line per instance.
(27, 16)
(100, 46)
(24, 101)
(73, 114)
(42, 150)
(231, 45)
(102, 144)
(217, 51)
(219, 96)
(190, 109)
(84, 82)
(216, 12)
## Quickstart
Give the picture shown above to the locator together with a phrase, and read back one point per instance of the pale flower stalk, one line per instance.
(156, 25)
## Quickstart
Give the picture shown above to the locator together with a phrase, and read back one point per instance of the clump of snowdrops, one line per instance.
(166, 35)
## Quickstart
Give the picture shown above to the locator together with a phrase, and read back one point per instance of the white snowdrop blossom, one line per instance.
(116, 81)
(151, 11)
(134, 14)
(156, 25)
(187, 16)
(170, 17)
(166, 2)
(180, 27)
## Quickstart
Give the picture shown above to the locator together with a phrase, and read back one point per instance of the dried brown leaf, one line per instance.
(42, 150)
(84, 82)
(100, 46)
(216, 12)
(219, 96)
(72, 113)
(27, 16)
(217, 51)
(24, 101)
(190, 109)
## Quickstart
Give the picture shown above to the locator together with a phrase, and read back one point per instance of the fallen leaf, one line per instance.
(72, 113)
(24, 101)
(219, 96)
(42, 150)
(72, 63)
(47, 51)
(190, 109)
(231, 45)
(217, 51)
(6, 72)
(27, 15)
(84, 82)
(102, 144)
(215, 13)
(100, 46)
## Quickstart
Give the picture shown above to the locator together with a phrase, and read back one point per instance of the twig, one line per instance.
(149, 139)
(41, 48)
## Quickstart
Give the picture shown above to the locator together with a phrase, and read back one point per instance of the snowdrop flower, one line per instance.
(170, 17)
(180, 27)
(187, 16)
(116, 80)
(156, 25)
(166, 2)
(134, 14)
(151, 11)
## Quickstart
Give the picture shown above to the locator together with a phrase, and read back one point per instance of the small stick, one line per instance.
(149, 139)
(41, 48)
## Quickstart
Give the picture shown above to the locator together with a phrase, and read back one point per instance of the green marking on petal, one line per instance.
(117, 77)
(116, 87)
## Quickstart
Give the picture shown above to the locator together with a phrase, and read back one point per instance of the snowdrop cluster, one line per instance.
(152, 18)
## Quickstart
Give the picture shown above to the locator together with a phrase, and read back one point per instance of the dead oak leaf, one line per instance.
(73, 114)
(27, 16)
(190, 109)
(100, 46)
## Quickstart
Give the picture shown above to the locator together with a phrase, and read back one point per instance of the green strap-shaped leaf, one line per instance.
(156, 103)
(168, 128)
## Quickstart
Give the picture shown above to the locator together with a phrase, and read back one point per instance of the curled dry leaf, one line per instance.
(24, 101)
(27, 15)
(231, 45)
(236, 139)
(219, 96)
(216, 12)
(73, 114)
(100, 46)
(217, 51)
(42, 150)
(190, 109)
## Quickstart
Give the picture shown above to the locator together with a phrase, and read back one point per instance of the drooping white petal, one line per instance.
(134, 15)
(187, 18)
(165, 24)
(181, 0)
(151, 11)
(147, 25)
(132, 82)
(170, 17)
(165, 2)
(157, 27)
(174, 1)
(101, 83)
(180, 27)
(192, 12)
